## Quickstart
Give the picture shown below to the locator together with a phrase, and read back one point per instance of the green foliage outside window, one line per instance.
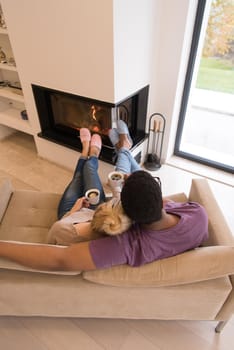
(216, 71)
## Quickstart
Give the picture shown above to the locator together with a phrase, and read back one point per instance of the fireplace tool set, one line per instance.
(155, 141)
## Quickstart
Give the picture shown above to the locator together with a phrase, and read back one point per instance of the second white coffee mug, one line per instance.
(115, 179)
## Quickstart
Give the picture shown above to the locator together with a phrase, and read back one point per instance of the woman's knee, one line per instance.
(91, 164)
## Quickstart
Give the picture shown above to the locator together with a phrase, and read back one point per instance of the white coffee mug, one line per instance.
(115, 179)
(93, 196)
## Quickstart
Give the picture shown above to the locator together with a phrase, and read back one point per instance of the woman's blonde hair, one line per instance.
(110, 218)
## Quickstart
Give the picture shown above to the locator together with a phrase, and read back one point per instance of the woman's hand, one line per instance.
(80, 203)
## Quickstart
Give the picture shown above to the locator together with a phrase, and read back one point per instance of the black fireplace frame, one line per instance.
(69, 137)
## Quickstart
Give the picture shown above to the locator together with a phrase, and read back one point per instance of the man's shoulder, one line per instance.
(184, 206)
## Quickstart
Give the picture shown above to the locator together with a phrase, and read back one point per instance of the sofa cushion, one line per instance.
(197, 265)
(5, 195)
(29, 216)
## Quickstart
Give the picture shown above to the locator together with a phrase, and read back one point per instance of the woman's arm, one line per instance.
(76, 257)
(80, 203)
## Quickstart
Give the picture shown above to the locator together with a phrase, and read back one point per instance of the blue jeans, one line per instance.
(85, 177)
(125, 162)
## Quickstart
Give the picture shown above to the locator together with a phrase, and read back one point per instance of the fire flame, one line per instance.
(93, 108)
(96, 129)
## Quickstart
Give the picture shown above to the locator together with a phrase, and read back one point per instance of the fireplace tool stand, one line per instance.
(157, 124)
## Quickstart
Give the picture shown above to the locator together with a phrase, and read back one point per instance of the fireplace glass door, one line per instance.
(62, 115)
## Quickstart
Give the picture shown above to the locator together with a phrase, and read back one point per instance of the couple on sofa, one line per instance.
(137, 229)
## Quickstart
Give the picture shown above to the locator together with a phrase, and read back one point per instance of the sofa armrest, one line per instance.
(6, 191)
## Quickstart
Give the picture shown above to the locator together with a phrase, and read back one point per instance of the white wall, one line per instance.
(134, 41)
(62, 44)
(103, 49)
(83, 46)
(65, 45)
(152, 45)
(175, 31)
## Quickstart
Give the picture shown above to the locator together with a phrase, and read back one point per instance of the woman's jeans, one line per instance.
(125, 162)
(85, 177)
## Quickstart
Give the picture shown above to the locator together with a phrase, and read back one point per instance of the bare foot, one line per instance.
(85, 149)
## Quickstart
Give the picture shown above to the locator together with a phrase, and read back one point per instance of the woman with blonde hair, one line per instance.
(75, 214)
(110, 218)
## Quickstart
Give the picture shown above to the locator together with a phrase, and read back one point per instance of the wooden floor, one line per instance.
(73, 334)
(18, 160)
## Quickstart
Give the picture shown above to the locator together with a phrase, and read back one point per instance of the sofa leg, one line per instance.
(220, 326)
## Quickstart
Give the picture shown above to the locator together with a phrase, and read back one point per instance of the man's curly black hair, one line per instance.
(141, 198)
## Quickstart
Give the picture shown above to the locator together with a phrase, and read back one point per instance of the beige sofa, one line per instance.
(195, 285)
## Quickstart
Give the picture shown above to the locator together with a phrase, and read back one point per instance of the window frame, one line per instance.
(186, 93)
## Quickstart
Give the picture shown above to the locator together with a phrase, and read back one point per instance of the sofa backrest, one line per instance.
(29, 216)
(219, 231)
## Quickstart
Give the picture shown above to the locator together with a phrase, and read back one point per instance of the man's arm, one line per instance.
(76, 257)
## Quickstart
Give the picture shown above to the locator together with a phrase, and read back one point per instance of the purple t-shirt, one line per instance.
(137, 247)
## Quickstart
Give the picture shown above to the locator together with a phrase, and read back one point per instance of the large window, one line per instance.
(206, 124)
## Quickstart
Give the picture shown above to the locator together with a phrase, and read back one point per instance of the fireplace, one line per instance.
(62, 114)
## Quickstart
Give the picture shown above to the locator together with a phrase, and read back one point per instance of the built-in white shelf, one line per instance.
(12, 118)
(7, 92)
(6, 66)
(3, 31)
(11, 100)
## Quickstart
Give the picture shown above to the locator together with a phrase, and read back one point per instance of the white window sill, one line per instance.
(201, 170)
